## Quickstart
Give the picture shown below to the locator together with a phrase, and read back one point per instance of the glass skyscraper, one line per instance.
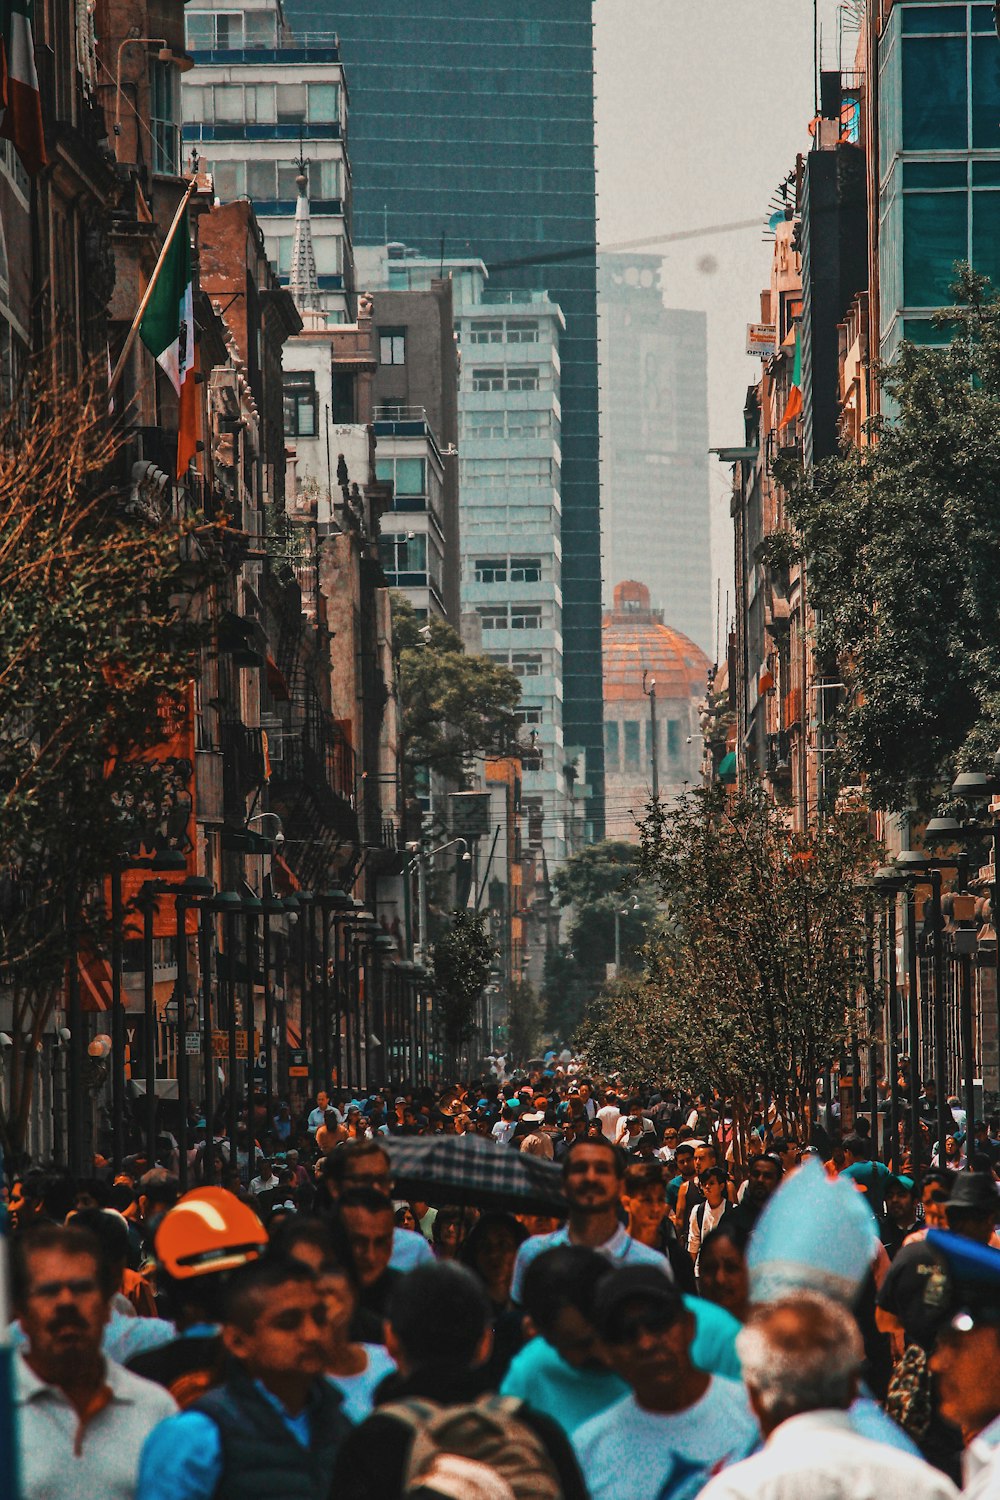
(472, 133)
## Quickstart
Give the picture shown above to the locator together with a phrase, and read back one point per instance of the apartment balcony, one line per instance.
(313, 777)
(244, 767)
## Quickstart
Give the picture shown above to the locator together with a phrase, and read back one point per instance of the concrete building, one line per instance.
(497, 157)
(259, 103)
(510, 475)
(655, 522)
(640, 651)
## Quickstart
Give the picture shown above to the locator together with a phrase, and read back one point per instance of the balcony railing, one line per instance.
(243, 766)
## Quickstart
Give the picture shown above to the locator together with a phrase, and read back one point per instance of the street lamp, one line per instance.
(190, 893)
(888, 883)
(624, 912)
(913, 867)
(978, 788)
(228, 905)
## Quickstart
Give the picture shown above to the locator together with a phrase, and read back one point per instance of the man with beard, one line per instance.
(81, 1420)
(593, 1176)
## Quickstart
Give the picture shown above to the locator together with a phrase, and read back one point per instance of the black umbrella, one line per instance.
(462, 1169)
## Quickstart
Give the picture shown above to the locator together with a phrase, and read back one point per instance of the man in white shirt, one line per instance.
(80, 1419)
(801, 1358)
(609, 1115)
(678, 1425)
(593, 1177)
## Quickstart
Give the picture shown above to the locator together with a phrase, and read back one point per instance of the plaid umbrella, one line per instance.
(463, 1169)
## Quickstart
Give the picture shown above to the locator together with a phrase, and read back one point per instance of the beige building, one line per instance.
(653, 676)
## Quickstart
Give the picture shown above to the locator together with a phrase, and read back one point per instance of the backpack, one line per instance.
(480, 1451)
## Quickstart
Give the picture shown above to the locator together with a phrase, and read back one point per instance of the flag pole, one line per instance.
(130, 337)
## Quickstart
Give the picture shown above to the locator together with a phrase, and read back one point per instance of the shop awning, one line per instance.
(727, 767)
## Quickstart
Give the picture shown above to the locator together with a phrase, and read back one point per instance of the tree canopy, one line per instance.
(901, 539)
(462, 957)
(454, 704)
(749, 977)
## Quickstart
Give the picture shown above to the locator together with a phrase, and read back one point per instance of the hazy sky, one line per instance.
(701, 108)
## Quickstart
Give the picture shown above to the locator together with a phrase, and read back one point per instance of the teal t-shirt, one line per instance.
(538, 1375)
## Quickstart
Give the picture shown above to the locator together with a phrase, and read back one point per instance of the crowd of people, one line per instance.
(734, 1314)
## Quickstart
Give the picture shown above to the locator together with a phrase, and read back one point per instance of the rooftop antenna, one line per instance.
(441, 269)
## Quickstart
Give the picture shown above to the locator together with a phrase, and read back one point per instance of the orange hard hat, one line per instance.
(206, 1231)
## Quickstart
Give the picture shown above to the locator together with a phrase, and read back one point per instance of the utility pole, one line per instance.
(654, 748)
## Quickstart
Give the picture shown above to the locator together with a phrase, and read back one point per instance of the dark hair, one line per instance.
(248, 1288)
(368, 1198)
(640, 1174)
(335, 1164)
(857, 1145)
(719, 1173)
(728, 1228)
(439, 1312)
(469, 1252)
(109, 1230)
(66, 1238)
(937, 1177)
(328, 1235)
(684, 1146)
(160, 1191)
(617, 1154)
(567, 1276)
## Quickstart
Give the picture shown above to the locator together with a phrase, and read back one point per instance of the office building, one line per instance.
(258, 103)
(655, 522)
(474, 125)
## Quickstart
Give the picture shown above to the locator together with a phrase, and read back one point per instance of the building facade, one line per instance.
(655, 522)
(497, 157)
(655, 678)
(260, 103)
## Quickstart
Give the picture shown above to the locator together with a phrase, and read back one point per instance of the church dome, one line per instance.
(636, 641)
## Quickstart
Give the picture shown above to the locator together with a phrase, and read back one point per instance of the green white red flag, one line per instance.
(167, 330)
(20, 100)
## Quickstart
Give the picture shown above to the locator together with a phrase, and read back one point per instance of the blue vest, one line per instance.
(261, 1460)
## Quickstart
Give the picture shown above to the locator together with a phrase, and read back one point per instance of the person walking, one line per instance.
(802, 1358)
(80, 1419)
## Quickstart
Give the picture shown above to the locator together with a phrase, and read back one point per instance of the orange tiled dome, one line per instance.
(635, 641)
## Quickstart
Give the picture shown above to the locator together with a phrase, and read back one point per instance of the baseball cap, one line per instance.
(641, 1284)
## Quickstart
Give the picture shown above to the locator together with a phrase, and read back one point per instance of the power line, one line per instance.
(583, 252)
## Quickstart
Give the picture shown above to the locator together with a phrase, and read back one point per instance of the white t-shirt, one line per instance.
(609, 1117)
(358, 1391)
(628, 1453)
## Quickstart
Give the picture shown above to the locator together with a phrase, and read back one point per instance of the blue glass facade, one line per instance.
(472, 123)
(939, 160)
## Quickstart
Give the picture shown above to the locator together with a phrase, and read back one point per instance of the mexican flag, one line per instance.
(793, 406)
(20, 101)
(167, 330)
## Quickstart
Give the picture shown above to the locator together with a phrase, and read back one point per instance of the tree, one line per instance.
(901, 539)
(100, 630)
(750, 977)
(525, 1017)
(454, 704)
(462, 958)
(594, 884)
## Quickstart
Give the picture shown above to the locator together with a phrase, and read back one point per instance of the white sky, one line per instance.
(701, 108)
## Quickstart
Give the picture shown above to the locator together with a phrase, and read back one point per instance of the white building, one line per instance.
(257, 103)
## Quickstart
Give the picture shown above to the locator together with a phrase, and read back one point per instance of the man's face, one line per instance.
(64, 1312)
(685, 1164)
(933, 1199)
(575, 1340)
(371, 1240)
(650, 1348)
(590, 1180)
(370, 1170)
(967, 1367)
(899, 1205)
(646, 1206)
(288, 1334)
(704, 1157)
(762, 1181)
(670, 1140)
(974, 1226)
(322, 1100)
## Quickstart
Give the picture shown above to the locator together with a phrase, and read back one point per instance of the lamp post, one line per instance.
(384, 950)
(336, 905)
(912, 866)
(979, 789)
(191, 891)
(228, 905)
(271, 907)
(889, 883)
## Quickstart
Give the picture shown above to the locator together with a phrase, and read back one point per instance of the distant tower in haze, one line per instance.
(655, 522)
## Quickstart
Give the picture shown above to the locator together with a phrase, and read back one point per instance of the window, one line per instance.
(163, 92)
(611, 747)
(529, 715)
(407, 475)
(299, 388)
(525, 617)
(487, 380)
(392, 346)
(327, 250)
(522, 378)
(404, 552)
(526, 663)
(484, 424)
(228, 103)
(673, 737)
(229, 178)
(259, 28)
(261, 180)
(290, 103)
(486, 333)
(493, 617)
(935, 94)
(522, 333)
(209, 31)
(491, 570)
(323, 100)
(631, 744)
(525, 569)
